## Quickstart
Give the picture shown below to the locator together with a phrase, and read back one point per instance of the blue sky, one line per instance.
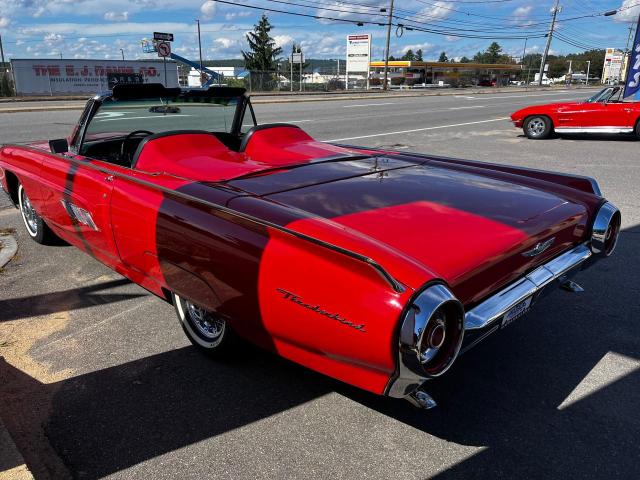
(100, 28)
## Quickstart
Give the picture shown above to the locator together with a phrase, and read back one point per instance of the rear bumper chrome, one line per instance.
(533, 284)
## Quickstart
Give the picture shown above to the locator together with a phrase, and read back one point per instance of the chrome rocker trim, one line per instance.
(594, 129)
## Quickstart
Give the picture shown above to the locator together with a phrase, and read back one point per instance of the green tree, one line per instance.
(263, 53)
(419, 55)
(443, 57)
(465, 60)
(409, 55)
(6, 89)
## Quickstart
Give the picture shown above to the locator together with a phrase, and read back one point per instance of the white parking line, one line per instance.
(413, 130)
(466, 108)
(368, 105)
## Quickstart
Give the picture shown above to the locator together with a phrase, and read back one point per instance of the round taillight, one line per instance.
(605, 230)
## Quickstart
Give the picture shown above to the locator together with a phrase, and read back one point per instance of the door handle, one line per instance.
(109, 178)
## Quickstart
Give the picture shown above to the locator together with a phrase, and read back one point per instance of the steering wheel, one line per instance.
(129, 137)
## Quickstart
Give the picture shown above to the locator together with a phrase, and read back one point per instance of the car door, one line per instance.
(611, 115)
(77, 201)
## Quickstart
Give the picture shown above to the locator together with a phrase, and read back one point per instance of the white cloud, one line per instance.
(425, 47)
(522, 12)
(234, 15)
(628, 11)
(116, 16)
(437, 11)
(4, 22)
(283, 40)
(51, 39)
(208, 9)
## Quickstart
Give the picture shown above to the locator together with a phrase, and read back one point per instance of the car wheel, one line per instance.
(207, 331)
(537, 127)
(637, 129)
(37, 229)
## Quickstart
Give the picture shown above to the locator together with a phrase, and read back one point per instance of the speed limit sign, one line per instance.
(164, 49)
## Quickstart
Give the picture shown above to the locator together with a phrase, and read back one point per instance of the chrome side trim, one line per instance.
(594, 130)
(496, 306)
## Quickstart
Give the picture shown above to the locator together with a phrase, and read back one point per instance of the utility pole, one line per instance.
(588, 68)
(1, 51)
(122, 52)
(386, 53)
(524, 54)
(554, 12)
(200, 50)
(626, 49)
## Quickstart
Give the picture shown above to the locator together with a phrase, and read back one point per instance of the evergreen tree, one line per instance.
(465, 60)
(409, 55)
(6, 89)
(262, 52)
(419, 55)
(443, 57)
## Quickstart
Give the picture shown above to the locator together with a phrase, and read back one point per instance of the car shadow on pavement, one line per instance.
(508, 395)
(72, 299)
(112, 419)
(545, 396)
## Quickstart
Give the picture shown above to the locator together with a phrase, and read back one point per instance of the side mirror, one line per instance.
(59, 145)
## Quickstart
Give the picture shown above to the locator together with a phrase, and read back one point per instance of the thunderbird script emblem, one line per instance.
(539, 248)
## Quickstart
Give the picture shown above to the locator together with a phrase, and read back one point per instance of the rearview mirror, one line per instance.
(59, 145)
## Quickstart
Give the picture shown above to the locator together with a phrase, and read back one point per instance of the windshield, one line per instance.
(117, 118)
(603, 95)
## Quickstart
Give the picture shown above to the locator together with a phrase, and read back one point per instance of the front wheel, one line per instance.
(207, 331)
(637, 130)
(37, 229)
(537, 127)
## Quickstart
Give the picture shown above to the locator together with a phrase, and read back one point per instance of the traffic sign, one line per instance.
(163, 37)
(164, 49)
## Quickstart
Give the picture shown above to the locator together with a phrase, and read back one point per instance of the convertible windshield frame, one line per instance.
(212, 98)
(605, 95)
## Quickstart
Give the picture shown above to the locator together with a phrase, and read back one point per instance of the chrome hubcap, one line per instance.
(30, 215)
(536, 126)
(207, 325)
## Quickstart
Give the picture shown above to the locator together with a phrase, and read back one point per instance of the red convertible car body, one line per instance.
(604, 112)
(376, 268)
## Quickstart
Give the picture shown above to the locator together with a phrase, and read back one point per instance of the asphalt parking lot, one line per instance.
(97, 379)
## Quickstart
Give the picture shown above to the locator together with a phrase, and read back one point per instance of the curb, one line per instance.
(12, 464)
(8, 248)
(319, 98)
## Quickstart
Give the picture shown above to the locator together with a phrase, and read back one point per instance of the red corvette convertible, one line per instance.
(604, 112)
(376, 268)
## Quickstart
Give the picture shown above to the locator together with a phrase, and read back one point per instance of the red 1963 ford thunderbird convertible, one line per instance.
(377, 268)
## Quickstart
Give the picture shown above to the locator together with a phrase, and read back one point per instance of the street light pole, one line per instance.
(555, 11)
(199, 49)
(386, 54)
(122, 52)
(588, 68)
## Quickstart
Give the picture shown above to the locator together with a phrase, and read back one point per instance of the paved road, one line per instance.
(104, 369)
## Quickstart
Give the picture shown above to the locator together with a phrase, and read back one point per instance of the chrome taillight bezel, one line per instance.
(436, 303)
(605, 230)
